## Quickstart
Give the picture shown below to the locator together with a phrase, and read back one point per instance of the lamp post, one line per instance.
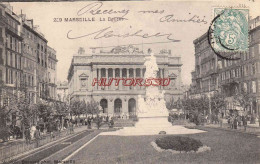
(209, 100)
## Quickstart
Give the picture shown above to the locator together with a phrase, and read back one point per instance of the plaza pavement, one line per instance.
(226, 147)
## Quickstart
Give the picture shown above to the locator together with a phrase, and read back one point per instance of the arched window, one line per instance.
(131, 106)
(117, 105)
(103, 104)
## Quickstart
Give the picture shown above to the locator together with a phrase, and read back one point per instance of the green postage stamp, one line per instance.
(230, 30)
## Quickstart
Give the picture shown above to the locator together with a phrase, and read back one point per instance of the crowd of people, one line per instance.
(234, 120)
(35, 131)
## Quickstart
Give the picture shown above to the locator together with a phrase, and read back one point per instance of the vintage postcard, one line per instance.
(130, 82)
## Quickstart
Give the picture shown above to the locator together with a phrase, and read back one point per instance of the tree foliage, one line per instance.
(217, 102)
(243, 99)
(92, 107)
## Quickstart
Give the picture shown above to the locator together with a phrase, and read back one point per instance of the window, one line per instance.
(9, 58)
(1, 56)
(11, 77)
(252, 51)
(13, 59)
(245, 87)
(29, 80)
(253, 69)
(253, 86)
(38, 57)
(6, 76)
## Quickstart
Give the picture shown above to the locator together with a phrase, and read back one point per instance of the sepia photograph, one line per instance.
(94, 82)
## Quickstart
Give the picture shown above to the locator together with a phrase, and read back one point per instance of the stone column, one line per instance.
(166, 76)
(125, 105)
(134, 72)
(94, 75)
(107, 87)
(127, 76)
(161, 76)
(110, 106)
(114, 75)
(99, 76)
(120, 76)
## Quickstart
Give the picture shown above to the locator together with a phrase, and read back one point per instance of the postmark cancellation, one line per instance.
(229, 30)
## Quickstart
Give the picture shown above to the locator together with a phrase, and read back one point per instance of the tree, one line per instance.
(217, 102)
(92, 107)
(75, 107)
(243, 99)
(170, 104)
(17, 104)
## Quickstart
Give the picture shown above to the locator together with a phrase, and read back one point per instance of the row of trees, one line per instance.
(215, 104)
(81, 107)
(15, 105)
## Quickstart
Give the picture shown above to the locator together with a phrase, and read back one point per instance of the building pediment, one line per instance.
(83, 75)
(172, 76)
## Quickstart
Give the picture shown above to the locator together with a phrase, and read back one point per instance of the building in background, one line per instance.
(63, 91)
(125, 62)
(29, 61)
(230, 77)
(52, 73)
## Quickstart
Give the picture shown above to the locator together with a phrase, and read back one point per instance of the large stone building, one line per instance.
(230, 77)
(52, 73)
(120, 62)
(24, 59)
(10, 51)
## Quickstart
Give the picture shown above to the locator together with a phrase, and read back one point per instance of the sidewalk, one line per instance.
(19, 148)
(251, 128)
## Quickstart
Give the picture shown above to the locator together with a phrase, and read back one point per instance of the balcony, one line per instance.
(212, 71)
(2, 19)
(12, 29)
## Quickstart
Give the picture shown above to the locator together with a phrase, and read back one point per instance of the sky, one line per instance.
(50, 17)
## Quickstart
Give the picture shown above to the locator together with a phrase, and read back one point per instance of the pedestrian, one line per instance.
(220, 120)
(111, 123)
(235, 123)
(71, 128)
(239, 121)
(244, 119)
(232, 122)
(32, 131)
(89, 123)
(27, 135)
(37, 136)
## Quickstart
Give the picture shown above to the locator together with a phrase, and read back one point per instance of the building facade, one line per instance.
(231, 77)
(52, 73)
(122, 63)
(63, 91)
(24, 60)
(10, 51)
(29, 61)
